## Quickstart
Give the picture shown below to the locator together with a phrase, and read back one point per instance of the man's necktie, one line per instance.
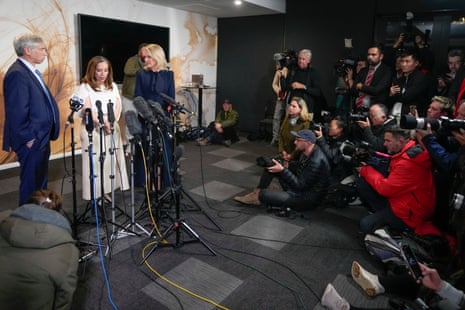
(44, 86)
(359, 101)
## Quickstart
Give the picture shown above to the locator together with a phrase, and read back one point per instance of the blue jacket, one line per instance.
(28, 112)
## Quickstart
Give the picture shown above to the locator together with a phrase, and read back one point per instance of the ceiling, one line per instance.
(225, 8)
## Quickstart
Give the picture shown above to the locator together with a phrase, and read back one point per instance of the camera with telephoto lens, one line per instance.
(444, 123)
(266, 162)
(363, 153)
(285, 59)
(342, 64)
(358, 117)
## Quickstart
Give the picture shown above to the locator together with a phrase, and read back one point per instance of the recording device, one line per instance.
(89, 121)
(176, 105)
(143, 108)
(163, 120)
(285, 59)
(98, 103)
(342, 64)
(133, 124)
(358, 117)
(111, 112)
(266, 162)
(445, 123)
(76, 103)
(363, 153)
(412, 261)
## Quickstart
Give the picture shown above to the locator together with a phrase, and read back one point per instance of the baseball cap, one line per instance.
(305, 134)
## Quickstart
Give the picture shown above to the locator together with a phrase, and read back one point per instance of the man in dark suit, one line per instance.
(375, 89)
(31, 115)
(411, 88)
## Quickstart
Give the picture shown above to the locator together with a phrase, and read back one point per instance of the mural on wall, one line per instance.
(49, 23)
(193, 49)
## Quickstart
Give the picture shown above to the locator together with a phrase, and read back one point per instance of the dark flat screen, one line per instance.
(117, 40)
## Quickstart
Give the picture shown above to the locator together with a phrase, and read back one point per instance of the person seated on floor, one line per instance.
(38, 255)
(304, 182)
(405, 285)
(330, 143)
(225, 129)
(404, 199)
(296, 118)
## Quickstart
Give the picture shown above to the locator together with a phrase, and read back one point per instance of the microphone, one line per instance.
(133, 124)
(143, 108)
(178, 107)
(159, 111)
(98, 103)
(89, 121)
(76, 103)
(111, 113)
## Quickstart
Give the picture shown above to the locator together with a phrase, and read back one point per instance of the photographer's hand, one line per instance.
(363, 124)
(276, 168)
(431, 278)
(459, 136)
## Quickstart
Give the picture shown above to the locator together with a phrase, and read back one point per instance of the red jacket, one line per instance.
(409, 186)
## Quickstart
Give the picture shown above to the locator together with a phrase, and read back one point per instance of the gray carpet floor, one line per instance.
(218, 254)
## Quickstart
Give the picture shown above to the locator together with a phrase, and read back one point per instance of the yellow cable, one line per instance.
(147, 195)
(177, 285)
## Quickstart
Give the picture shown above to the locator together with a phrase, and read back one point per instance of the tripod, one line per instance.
(178, 224)
(176, 109)
(133, 225)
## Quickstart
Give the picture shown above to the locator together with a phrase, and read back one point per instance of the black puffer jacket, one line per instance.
(309, 177)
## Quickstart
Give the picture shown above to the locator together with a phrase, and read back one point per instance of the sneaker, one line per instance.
(367, 281)
(332, 300)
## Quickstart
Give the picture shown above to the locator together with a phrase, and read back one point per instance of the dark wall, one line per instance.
(246, 46)
(246, 66)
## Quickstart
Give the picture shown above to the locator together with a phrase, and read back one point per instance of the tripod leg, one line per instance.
(159, 243)
(196, 236)
(200, 208)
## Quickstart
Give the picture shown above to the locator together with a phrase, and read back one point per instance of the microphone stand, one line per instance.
(70, 122)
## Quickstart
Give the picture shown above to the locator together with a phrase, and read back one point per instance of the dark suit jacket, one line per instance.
(416, 92)
(28, 112)
(379, 85)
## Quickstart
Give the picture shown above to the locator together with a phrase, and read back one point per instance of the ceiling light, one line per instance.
(237, 2)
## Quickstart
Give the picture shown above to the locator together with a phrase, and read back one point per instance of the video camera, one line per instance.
(364, 153)
(285, 59)
(446, 124)
(342, 64)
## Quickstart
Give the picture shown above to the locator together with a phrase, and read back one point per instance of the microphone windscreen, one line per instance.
(143, 108)
(157, 107)
(98, 103)
(88, 120)
(133, 124)
(167, 98)
(111, 112)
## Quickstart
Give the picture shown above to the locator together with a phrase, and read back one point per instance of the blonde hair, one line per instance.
(304, 114)
(156, 52)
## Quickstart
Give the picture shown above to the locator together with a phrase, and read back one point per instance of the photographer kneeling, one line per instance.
(406, 197)
(304, 182)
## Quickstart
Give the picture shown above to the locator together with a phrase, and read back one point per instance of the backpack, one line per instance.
(386, 247)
